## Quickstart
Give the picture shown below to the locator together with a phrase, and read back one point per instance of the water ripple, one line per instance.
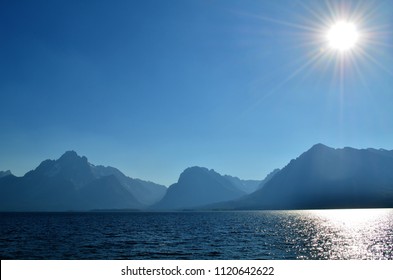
(322, 234)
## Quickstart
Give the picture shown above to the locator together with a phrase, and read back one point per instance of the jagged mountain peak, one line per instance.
(72, 156)
(70, 166)
(69, 154)
(5, 173)
(196, 170)
(72, 183)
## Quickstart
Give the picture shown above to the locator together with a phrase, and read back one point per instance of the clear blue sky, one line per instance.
(153, 87)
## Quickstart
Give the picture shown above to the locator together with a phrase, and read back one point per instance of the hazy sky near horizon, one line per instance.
(154, 87)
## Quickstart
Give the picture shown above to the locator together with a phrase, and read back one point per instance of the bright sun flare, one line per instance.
(342, 36)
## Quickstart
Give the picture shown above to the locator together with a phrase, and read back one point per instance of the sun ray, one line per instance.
(289, 78)
(284, 23)
(373, 60)
(346, 65)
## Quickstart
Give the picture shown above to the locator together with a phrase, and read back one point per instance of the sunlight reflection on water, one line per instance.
(349, 234)
(306, 234)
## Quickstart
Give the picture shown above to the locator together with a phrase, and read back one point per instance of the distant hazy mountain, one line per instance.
(146, 192)
(247, 186)
(324, 177)
(72, 183)
(250, 186)
(5, 173)
(199, 186)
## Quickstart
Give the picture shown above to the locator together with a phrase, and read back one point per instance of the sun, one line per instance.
(343, 36)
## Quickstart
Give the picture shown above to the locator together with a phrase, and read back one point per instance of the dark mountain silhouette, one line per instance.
(268, 177)
(72, 183)
(5, 173)
(198, 186)
(324, 177)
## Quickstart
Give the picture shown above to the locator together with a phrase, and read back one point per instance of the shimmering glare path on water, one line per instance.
(344, 234)
(313, 234)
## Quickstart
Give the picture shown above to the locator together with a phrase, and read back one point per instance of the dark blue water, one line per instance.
(322, 234)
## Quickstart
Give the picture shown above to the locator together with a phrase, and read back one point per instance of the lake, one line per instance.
(306, 234)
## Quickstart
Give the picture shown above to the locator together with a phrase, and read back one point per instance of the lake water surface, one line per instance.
(308, 234)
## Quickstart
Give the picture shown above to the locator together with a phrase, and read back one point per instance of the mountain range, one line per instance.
(72, 183)
(321, 177)
(199, 186)
(324, 177)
